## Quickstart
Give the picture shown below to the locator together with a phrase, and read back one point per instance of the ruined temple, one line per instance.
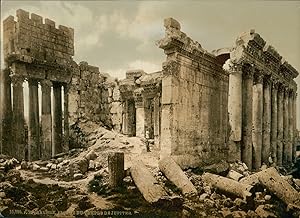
(237, 103)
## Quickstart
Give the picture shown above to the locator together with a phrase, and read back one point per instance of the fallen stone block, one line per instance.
(230, 186)
(176, 175)
(277, 185)
(234, 175)
(149, 186)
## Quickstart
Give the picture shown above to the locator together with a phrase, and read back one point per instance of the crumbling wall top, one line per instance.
(29, 40)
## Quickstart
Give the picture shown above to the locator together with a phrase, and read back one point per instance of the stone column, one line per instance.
(285, 127)
(18, 146)
(247, 115)
(235, 111)
(257, 119)
(295, 135)
(140, 117)
(33, 127)
(291, 127)
(266, 121)
(274, 120)
(6, 112)
(280, 124)
(66, 118)
(46, 120)
(57, 120)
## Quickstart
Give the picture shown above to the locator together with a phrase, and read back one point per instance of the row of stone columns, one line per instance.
(268, 120)
(39, 146)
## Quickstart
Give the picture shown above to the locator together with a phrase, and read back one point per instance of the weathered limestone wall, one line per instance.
(194, 101)
(96, 97)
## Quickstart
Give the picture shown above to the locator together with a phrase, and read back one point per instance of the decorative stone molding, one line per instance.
(170, 67)
(258, 77)
(248, 71)
(17, 80)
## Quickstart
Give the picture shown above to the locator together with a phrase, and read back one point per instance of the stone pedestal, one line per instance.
(257, 120)
(6, 112)
(247, 115)
(266, 121)
(280, 125)
(57, 120)
(33, 128)
(274, 121)
(46, 120)
(18, 146)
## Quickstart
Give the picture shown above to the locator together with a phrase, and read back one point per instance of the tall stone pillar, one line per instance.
(18, 146)
(291, 127)
(66, 118)
(257, 119)
(285, 127)
(295, 135)
(33, 128)
(247, 115)
(6, 112)
(140, 117)
(280, 124)
(274, 120)
(266, 121)
(57, 120)
(46, 120)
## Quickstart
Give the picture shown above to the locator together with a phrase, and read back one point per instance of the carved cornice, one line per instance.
(170, 67)
(258, 77)
(17, 80)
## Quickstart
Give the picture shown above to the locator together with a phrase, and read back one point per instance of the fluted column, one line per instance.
(6, 112)
(46, 120)
(285, 127)
(66, 118)
(33, 128)
(274, 120)
(257, 108)
(295, 126)
(280, 124)
(18, 146)
(291, 128)
(57, 120)
(247, 115)
(266, 121)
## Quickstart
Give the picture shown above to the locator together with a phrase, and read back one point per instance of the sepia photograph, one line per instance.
(172, 109)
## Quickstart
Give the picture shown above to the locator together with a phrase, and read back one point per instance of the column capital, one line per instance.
(46, 83)
(267, 80)
(275, 83)
(248, 71)
(258, 78)
(236, 67)
(17, 80)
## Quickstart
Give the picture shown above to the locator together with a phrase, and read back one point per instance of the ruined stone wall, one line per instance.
(194, 101)
(95, 97)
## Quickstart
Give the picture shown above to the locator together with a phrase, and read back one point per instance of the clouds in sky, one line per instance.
(121, 35)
